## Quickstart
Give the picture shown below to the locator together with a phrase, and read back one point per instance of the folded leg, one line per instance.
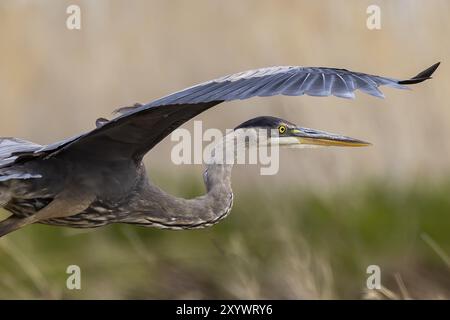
(65, 204)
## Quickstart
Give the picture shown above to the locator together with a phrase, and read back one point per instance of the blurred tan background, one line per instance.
(55, 82)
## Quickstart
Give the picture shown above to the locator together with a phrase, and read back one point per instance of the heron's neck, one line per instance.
(160, 209)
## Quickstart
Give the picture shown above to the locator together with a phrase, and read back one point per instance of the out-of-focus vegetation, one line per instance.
(289, 244)
(308, 232)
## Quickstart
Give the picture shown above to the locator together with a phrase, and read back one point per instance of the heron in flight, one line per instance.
(98, 178)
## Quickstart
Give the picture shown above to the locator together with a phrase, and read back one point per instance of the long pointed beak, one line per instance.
(311, 137)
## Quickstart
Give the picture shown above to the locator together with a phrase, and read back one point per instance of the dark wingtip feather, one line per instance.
(422, 76)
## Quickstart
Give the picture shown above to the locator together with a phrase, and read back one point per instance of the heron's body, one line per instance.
(125, 197)
(111, 191)
(98, 177)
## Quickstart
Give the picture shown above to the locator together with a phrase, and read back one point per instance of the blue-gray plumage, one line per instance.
(97, 178)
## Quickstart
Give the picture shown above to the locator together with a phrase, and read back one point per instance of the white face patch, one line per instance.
(284, 141)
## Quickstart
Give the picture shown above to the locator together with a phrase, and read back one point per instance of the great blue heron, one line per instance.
(98, 178)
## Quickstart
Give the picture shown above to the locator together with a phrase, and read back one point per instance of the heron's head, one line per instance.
(284, 133)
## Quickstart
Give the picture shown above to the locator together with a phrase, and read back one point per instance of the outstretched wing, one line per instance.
(140, 127)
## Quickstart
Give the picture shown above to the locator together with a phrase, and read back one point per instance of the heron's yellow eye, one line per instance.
(282, 129)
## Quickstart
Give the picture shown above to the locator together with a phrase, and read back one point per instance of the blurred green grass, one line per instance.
(287, 244)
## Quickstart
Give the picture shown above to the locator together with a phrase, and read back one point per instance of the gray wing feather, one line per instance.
(140, 127)
(289, 80)
(17, 175)
(11, 147)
